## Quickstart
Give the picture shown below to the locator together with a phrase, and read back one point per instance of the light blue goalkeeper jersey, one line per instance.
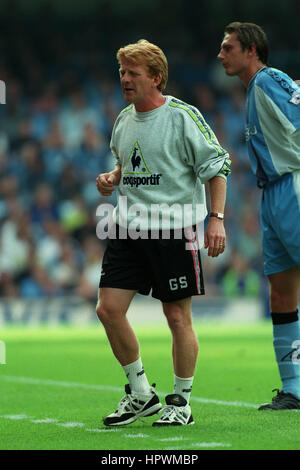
(273, 119)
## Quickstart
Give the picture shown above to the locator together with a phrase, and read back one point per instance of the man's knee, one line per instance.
(284, 290)
(282, 301)
(177, 316)
(101, 314)
(105, 313)
(275, 296)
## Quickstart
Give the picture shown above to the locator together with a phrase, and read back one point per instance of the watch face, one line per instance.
(219, 215)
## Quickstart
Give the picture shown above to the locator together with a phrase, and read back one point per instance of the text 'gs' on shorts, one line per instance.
(170, 267)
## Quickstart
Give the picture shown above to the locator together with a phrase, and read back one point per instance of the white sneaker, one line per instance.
(176, 413)
(132, 407)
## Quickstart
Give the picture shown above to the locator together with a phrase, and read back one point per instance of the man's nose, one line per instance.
(125, 77)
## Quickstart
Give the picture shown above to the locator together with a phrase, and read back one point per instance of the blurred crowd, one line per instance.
(54, 140)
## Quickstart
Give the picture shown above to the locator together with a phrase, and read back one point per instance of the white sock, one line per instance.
(137, 378)
(183, 387)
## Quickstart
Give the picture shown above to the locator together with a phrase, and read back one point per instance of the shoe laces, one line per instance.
(131, 398)
(126, 404)
(123, 403)
(169, 411)
(279, 394)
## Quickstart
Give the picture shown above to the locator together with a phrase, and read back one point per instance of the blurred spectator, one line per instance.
(66, 271)
(240, 280)
(16, 244)
(89, 280)
(73, 118)
(91, 158)
(30, 168)
(234, 118)
(205, 100)
(54, 154)
(248, 241)
(74, 215)
(43, 207)
(49, 244)
(8, 285)
(38, 283)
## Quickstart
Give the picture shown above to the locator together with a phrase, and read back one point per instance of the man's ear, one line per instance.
(157, 79)
(252, 49)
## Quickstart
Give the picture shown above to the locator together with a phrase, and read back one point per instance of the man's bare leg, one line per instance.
(111, 309)
(184, 346)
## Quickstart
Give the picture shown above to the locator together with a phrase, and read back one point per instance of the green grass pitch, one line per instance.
(58, 384)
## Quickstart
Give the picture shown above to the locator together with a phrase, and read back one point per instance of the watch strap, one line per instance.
(218, 215)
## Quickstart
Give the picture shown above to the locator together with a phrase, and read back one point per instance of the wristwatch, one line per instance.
(218, 215)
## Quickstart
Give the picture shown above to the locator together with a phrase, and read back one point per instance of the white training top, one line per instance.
(166, 155)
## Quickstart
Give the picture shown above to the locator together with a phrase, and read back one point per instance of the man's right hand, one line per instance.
(105, 182)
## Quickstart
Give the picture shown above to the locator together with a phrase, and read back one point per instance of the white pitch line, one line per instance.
(16, 417)
(210, 444)
(104, 430)
(58, 383)
(44, 421)
(131, 436)
(203, 445)
(225, 403)
(71, 425)
(179, 438)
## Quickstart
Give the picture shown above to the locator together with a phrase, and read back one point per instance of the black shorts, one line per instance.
(171, 268)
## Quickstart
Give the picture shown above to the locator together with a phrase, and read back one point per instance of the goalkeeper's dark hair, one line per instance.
(250, 34)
